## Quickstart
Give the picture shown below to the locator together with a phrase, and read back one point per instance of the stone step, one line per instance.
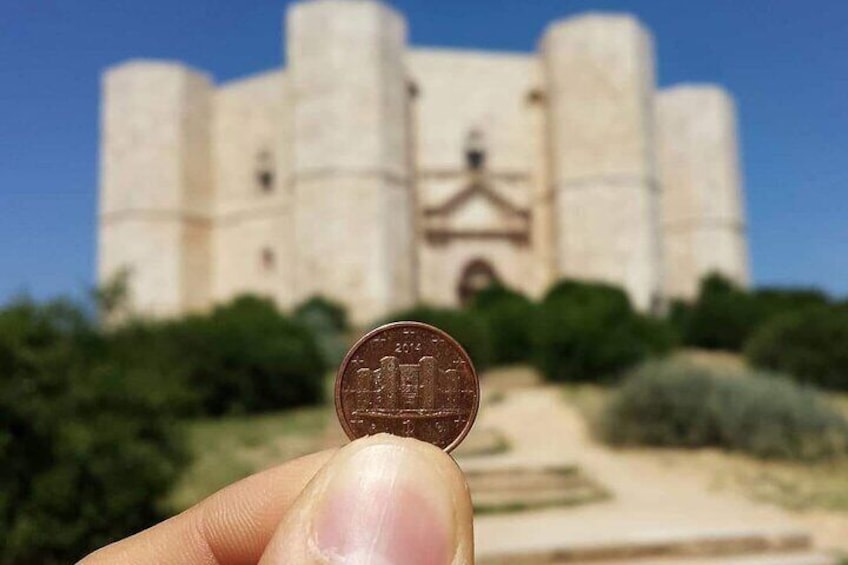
(503, 502)
(481, 442)
(513, 488)
(790, 558)
(671, 546)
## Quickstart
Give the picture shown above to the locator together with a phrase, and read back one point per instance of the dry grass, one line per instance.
(841, 401)
(501, 380)
(793, 486)
(227, 449)
(724, 361)
(589, 401)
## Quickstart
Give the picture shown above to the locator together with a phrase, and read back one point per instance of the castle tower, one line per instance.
(353, 211)
(386, 393)
(427, 382)
(155, 187)
(703, 217)
(600, 83)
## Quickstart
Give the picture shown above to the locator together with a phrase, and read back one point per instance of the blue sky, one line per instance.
(786, 61)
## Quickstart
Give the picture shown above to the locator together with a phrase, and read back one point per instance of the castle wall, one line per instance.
(463, 90)
(703, 216)
(459, 92)
(254, 232)
(352, 197)
(600, 85)
(346, 175)
(155, 191)
(448, 262)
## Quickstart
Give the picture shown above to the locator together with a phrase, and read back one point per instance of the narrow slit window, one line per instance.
(268, 260)
(475, 150)
(265, 172)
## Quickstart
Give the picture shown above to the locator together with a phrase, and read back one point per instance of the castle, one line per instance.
(381, 175)
(411, 399)
(395, 387)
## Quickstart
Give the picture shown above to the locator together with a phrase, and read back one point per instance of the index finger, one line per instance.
(232, 526)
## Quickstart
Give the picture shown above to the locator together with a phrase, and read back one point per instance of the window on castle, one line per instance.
(266, 180)
(535, 96)
(268, 260)
(475, 150)
(265, 172)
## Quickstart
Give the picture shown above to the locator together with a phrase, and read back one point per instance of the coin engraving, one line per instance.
(408, 379)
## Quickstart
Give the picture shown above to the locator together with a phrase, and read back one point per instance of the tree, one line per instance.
(88, 446)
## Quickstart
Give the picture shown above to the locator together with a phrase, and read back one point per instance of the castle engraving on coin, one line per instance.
(408, 379)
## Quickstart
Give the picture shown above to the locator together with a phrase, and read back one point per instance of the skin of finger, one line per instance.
(233, 526)
(292, 543)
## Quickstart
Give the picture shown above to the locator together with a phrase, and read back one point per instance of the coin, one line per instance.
(408, 379)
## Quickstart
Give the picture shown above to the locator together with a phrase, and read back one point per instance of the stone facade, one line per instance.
(382, 175)
(703, 217)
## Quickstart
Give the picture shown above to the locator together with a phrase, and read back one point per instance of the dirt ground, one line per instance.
(660, 489)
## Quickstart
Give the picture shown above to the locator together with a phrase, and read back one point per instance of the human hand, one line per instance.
(380, 500)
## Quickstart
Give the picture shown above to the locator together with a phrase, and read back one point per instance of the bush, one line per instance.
(327, 320)
(509, 316)
(87, 447)
(772, 302)
(246, 357)
(723, 316)
(589, 331)
(811, 345)
(242, 357)
(680, 405)
(466, 327)
(323, 311)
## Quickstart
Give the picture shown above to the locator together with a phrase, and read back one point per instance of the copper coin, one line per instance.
(408, 379)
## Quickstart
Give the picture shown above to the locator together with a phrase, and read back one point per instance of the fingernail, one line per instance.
(387, 505)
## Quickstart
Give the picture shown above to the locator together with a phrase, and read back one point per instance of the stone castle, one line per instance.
(381, 175)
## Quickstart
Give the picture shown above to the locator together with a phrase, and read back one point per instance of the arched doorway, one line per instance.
(476, 275)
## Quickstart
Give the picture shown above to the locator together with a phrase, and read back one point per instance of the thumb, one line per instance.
(380, 500)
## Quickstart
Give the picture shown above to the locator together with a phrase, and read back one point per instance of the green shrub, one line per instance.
(723, 316)
(151, 346)
(247, 357)
(589, 331)
(509, 316)
(323, 311)
(465, 326)
(810, 344)
(242, 357)
(772, 302)
(327, 320)
(680, 405)
(88, 446)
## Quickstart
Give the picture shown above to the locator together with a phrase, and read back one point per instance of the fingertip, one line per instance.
(380, 499)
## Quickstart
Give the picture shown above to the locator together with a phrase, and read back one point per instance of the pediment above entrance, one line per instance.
(477, 211)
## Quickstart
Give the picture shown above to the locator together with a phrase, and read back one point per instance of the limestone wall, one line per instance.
(352, 197)
(443, 266)
(254, 230)
(703, 215)
(495, 94)
(600, 85)
(332, 176)
(463, 90)
(155, 192)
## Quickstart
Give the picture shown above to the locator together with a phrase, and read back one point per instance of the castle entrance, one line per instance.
(476, 275)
